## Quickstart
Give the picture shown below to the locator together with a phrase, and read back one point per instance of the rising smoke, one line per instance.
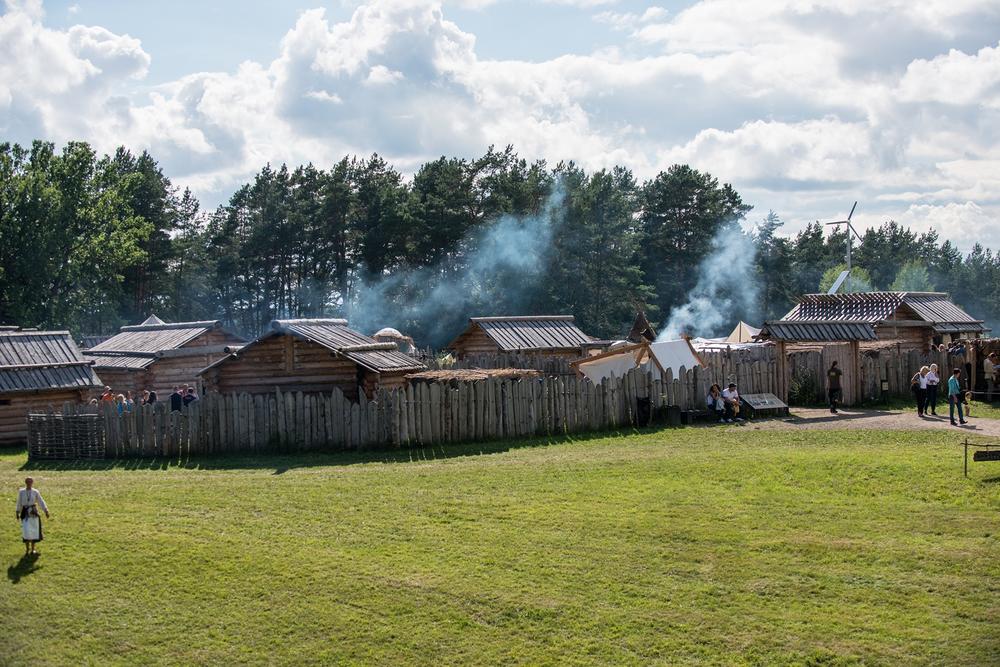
(726, 290)
(494, 271)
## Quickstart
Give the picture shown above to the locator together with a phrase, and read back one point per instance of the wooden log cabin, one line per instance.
(157, 356)
(311, 356)
(543, 335)
(841, 326)
(907, 320)
(39, 370)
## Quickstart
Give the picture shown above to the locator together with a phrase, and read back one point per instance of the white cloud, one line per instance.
(955, 78)
(796, 104)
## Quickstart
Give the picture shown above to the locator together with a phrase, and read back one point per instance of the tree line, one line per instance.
(91, 242)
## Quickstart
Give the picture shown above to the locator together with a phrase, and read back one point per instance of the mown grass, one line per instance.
(714, 546)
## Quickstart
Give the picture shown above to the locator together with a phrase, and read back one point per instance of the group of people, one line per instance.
(724, 403)
(182, 396)
(925, 389)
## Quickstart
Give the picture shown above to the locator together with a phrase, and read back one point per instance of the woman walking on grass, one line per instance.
(28, 502)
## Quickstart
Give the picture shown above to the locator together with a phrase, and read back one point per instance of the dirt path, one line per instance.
(893, 420)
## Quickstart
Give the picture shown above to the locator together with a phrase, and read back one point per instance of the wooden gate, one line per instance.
(846, 356)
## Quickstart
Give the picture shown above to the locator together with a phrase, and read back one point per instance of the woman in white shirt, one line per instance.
(919, 385)
(29, 500)
(933, 379)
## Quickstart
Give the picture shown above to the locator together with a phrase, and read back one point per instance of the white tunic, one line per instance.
(31, 526)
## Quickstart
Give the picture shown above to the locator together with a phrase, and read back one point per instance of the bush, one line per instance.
(803, 389)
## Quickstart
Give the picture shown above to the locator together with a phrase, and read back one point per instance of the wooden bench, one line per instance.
(991, 452)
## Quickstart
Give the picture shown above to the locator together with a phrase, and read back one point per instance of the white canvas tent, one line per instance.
(672, 354)
(743, 333)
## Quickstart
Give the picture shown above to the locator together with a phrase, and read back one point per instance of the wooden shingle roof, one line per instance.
(136, 347)
(529, 333)
(335, 335)
(42, 360)
(855, 316)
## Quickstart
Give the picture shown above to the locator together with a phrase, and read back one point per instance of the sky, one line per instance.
(803, 105)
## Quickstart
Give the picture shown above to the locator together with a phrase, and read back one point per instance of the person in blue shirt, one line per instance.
(955, 398)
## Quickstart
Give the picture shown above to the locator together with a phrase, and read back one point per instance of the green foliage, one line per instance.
(90, 243)
(804, 389)
(912, 277)
(859, 280)
(691, 546)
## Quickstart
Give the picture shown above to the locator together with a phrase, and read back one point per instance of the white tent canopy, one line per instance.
(672, 354)
(743, 333)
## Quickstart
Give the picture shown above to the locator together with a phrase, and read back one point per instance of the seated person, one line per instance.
(714, 402)
(731, 400)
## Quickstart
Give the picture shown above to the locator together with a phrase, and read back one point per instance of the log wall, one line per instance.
(14, 409)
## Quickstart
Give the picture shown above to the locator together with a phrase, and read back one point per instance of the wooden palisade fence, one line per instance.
(422, 413)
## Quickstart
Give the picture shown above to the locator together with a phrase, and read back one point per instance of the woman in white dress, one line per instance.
(29, 500)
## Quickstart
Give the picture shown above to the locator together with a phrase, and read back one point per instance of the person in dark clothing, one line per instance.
(190, 397)
(834, 391)
(176, 400)
(151, 399)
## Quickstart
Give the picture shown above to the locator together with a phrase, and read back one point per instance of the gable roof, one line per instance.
(40, 360)
(877, 307)
(136, 347)
(334, 335)
(854, 316)
(528, 333)
(641, 329)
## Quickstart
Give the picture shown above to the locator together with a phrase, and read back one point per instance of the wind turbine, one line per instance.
(851, 233)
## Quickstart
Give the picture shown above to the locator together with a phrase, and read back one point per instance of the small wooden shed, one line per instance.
(157, 356)
(311, 356)
(548, 335)
(39, 369)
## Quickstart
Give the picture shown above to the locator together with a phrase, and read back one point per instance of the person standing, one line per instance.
(189, 396)
(918, 383)
(955, 398)
(28, 502)
(933, 379)
(176, 400)
(834, 391)
(989, 371)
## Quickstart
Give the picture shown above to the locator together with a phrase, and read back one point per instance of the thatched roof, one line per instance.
(473, 374)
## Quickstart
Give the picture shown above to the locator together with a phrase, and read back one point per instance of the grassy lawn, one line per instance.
(715, 546)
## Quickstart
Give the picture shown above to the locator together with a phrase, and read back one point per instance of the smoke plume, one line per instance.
(494, 271)
(726, 290)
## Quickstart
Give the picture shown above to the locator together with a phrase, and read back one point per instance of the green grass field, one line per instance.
(715, 546)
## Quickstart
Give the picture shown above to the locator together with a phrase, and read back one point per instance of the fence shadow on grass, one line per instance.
(283, 462)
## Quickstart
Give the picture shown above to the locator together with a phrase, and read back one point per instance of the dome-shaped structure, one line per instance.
(388, 332)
